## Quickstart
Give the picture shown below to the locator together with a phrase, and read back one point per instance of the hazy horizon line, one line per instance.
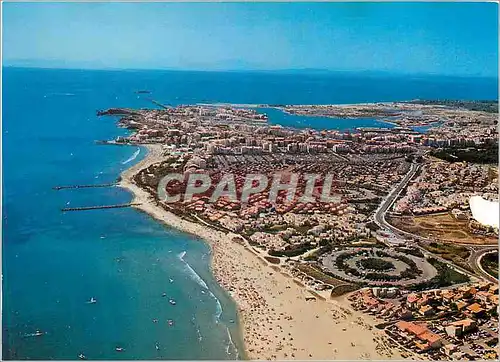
(254, 70)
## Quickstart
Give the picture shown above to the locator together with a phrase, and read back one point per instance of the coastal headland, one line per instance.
(288, 263)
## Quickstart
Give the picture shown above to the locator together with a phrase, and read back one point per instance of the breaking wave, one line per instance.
(194, 276)
(59, 95)
(231, 344)
(133, 157)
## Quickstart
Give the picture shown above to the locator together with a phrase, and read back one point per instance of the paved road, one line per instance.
(382, 223)
(475, 260)
(393, 195)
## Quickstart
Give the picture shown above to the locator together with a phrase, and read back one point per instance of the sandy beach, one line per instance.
(277, 321)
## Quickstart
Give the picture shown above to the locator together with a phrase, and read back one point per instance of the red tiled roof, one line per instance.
(412, 298)
(429, 337)
(416, 329)
(475, 308)
(464, 322)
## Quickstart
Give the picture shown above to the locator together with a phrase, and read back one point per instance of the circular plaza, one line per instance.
(378, 266)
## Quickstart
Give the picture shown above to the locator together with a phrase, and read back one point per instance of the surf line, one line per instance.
(194, 275)
(133, 157)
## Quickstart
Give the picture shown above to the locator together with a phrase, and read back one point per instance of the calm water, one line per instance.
(276, 116)
(54, 262)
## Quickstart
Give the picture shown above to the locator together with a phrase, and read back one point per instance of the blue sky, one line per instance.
(438, 38)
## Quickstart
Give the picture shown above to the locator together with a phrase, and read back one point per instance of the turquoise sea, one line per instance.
(54, 262)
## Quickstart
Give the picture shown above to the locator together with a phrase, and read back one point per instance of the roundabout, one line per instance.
(375, 264)
(378, 266)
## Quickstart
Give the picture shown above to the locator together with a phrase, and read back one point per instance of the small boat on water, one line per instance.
(171, 301)
(119, 349)
(38, 333)
(155, 320)
(170, 322)
(164, 294)
(92, 301)
(171, 280)
(82, 356)
(157, 346)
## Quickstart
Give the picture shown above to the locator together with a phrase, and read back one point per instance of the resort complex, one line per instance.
(238, 181)
(376, 218)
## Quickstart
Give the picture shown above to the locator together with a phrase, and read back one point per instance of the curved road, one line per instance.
(382, 223)
(475, 261)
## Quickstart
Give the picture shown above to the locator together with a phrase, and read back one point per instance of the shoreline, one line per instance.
(276, 320)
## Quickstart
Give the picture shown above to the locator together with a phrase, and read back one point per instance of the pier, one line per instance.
(57, 188)
(161, 105)
(83, 208)
(114, 143)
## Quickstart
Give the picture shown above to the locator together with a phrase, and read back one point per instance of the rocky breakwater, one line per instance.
(118, 112)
